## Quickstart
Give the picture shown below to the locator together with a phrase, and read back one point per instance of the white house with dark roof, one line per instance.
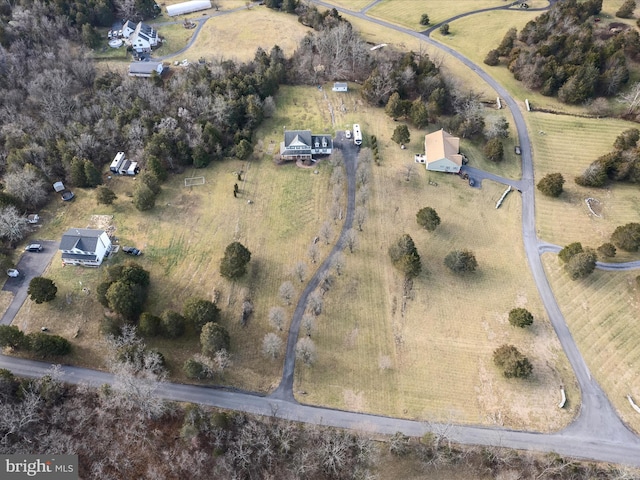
(141, 37)
(441, 152)
(83, 246)
(303, 145)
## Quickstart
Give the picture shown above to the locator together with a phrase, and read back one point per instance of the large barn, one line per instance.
(188, 7)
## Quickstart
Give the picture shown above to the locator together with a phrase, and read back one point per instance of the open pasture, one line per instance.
(408, 13)
(568, 145)
(601, 312)
(222, 38)
(436, 351)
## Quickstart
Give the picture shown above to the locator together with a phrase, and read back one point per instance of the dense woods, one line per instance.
(565, 53)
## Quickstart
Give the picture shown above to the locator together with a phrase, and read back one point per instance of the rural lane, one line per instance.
(595, 446)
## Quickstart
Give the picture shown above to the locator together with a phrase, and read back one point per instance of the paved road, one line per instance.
(480, 175)
(597, 447)
(31, 265)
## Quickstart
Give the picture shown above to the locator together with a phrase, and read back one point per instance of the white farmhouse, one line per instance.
(86, 247)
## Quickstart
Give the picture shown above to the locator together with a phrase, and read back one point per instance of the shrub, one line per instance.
(149, 325)
(626, 9)
(607, 250)
(512, 362)
(424, 19)
(581, 264)
(520, 317)
(460, 261)
(493, 58)
(444, 29)
(627, 237)
(494, 150)
(569, 251)
(173, 324)
(428, 218)
(551, 184)
(214, 338)
(405, 257)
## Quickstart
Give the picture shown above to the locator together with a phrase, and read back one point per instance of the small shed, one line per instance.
(145, 69)
(58, 187)
(340, 87)
(188, 7)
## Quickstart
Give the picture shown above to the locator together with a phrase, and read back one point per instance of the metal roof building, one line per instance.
(188, 7)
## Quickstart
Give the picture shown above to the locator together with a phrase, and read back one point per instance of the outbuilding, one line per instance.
(145, 69)
(340, 87)
(188, 7)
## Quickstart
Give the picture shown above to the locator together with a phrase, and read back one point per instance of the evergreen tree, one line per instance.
(551, 184)
(77, 173)
(234, 262)
(460, 261)
(214, 338)
(395, 107)
(92, 174)
(404, 256)
(401, 135)
(105, 195)
(428, 218)
(42, 290)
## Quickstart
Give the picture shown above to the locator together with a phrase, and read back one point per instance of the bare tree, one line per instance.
(360, 217)
(338, 263)
(277, 317)
(272, 345)
(408, 170)
(326, 232)
(363, 173)
(313, 252)
(13, 226)
(27, 185)
(336, 159)
(336, 211)
(363, 195)
(384, 362)
(286, 292)
(315, 303)
(337, 193)
(300, 271)
(631, 98)
(351, 239)
(337, 176)
(306, 351)
(309, 324)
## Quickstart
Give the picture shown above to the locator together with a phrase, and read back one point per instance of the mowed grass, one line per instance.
(221, 37)
(183, 239)
(602, 312)
(408, 12)
(568, 145)
(440, 349)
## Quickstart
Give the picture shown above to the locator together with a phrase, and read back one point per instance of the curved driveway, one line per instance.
(597, 433)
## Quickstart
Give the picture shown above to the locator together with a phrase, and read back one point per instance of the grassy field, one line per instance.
(440, 349)
(407, 13)
(261, 27)
(602, 312)
(567, 219)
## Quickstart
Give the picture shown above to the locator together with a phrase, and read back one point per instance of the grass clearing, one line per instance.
(554, 150)
(261, 27)
(405, 13)
(440, 350)
(602, 312)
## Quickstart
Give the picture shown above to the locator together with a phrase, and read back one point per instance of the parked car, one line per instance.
(12, 272)
(517, 149)
(33, 247)
(131, 251)
(67, 195)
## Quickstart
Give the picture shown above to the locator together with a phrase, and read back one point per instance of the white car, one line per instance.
(12, 272)
(347, 133)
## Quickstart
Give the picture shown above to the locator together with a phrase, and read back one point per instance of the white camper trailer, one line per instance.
(122, 166)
